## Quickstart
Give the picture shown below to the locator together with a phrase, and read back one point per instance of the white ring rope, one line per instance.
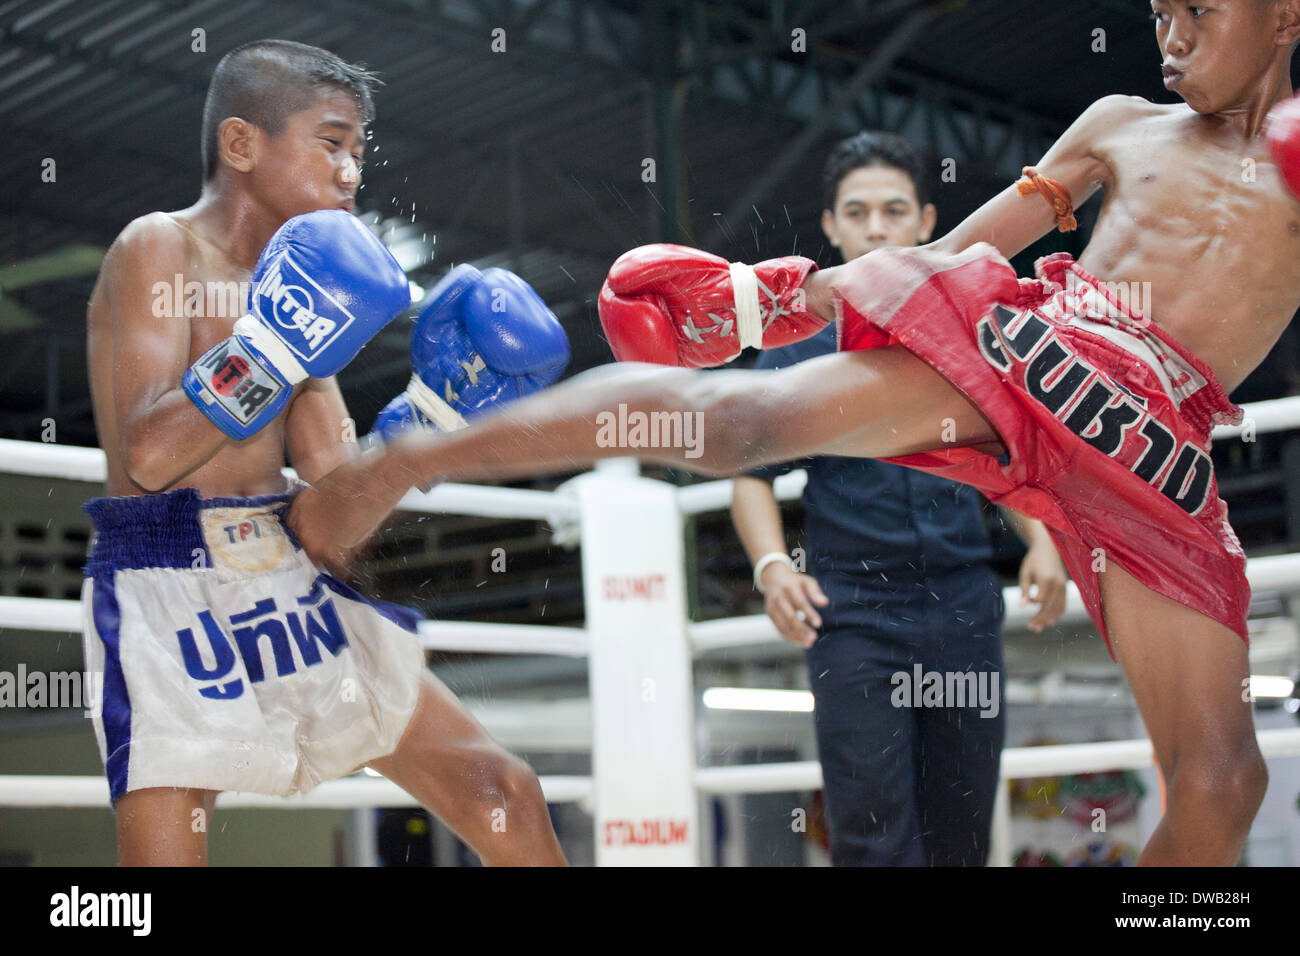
(75, 463)
(43, 791)
(47, 791)
(1017, 763)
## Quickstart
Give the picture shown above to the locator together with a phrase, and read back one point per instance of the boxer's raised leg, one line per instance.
(874, 404)
(162, 826)
(1188, 674)
(488, 796)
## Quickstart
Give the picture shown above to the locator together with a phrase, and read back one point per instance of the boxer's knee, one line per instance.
(1243, 784)
(492, 775)
(518, 782)
(500, 787)
(1228, 782)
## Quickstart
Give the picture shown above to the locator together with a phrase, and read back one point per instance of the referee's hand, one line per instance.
(790, 598)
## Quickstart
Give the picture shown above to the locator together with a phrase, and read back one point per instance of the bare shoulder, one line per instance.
(1124, 104)
(155, 228)
(1119, 113)
(151, 250)
(149, 243)
(1086, 141)
(1104, 127)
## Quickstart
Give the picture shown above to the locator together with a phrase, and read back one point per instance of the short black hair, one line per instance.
(266, 81)
(873, 148)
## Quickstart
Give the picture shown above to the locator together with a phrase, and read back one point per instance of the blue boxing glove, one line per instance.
(324, 285)
(482, 341)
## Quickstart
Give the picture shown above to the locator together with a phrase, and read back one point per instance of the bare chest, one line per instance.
(209, 297)
(1230, 198)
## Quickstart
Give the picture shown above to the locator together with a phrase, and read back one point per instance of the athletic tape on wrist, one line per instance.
(443, 416)
(749, 317)
(770, 558)
(251, 329)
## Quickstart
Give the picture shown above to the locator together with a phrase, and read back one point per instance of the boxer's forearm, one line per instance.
(167, 441)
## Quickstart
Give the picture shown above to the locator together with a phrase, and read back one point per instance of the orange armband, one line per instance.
(1053, 192)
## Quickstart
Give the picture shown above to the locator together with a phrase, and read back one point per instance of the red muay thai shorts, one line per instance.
(1104, 417)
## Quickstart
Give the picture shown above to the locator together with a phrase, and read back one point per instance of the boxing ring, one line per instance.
(645, 790)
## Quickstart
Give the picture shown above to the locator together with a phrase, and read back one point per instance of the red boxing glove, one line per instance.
(1283, 132)
(672, 305)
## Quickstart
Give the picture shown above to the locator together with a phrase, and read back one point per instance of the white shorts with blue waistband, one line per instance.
(230, 662)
